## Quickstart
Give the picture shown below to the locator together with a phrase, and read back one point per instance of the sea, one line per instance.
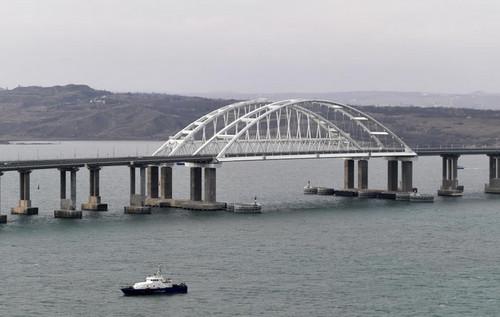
(302, 256)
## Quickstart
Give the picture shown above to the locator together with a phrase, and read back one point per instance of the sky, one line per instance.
(252, 46)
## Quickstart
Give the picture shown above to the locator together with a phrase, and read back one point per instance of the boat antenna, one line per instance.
(159, 270)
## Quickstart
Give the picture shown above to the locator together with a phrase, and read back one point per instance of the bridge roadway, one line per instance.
(457, 151)
(155, 175)
(108, 161)
(6, 166)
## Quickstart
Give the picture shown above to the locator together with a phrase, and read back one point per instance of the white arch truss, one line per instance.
(260, 129)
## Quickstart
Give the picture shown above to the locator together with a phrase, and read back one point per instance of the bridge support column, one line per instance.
(493, 187)
(348, 174)
(137, 200)
(449, 186)
(166, 182)
(362, 174)
(392, 175)
(94, 202)
(3, 218)
(68, 206)
(210, 184)
(24, 206)
(407, 176)
(195, 183)
(152, 184)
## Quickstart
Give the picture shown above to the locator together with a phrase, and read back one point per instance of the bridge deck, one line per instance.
(114, 161)
(456, 151)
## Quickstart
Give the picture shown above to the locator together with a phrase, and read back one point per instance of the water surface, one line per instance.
(305, 255)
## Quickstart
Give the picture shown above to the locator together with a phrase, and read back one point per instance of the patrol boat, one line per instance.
(155, 284)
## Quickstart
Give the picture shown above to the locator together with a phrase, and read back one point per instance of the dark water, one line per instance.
(305, 255)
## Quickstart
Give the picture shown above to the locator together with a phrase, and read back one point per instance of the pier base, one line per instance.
(24, 208)
(387, 195)
(67, 210)
(3, 218)
(451, 192)
(137, 210)
(94, 204)
(347, 193)
(369, 193)
(191, 204)
(69, 214)
(493, 187)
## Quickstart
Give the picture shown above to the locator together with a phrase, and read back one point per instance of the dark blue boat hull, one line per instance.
(175, 289)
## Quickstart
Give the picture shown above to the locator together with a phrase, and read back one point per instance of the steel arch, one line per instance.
(260, 129)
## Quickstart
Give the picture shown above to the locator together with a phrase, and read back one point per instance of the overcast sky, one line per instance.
(252, 45)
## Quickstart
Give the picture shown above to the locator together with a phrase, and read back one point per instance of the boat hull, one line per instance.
(175, 289)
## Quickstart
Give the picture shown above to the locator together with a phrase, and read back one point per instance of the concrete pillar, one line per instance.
(407, 176)
(362, 174)
(62, 182)
(97, 188)
(166, 182)
(348, 174)
(210, 184)
(195, 182)
(137, 200)
(497, 159)
(450, 168)
(142, 180)
(392, 175)
(132, 180)
(21, 186)
(454, 170)
(94, 200)
(91, 182)
(493, 167)
(153, 182)
(449, 186)
(68, 206)
(24, 205)
(73, 187)
(3, 218)
(445, 167)
(493, 186)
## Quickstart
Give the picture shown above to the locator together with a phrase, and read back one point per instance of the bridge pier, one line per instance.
(210, 184)
(407, 176)
(3, 218)
(68, 206)
(202, 188)
(24, 206)
(195, 183)
(394, 190)
(392, 175)
(137, 200)
(166, 182)
(94, 202)
(348, 174)
(493, 187)
(362, 174)
(450, 185)
(152, 198)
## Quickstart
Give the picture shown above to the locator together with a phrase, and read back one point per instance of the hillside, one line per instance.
(80, 112)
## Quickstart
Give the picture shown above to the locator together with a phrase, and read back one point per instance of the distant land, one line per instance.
(79, 112)
(475, 100)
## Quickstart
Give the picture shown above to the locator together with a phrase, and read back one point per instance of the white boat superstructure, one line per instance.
(154, 281)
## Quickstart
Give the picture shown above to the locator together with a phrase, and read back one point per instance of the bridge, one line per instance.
(254, 130)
